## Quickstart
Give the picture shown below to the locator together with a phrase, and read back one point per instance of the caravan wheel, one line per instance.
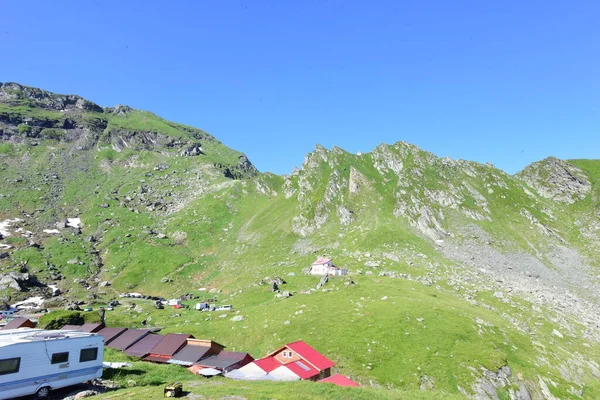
(43, 393)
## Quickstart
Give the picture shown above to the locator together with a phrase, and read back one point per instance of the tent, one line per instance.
(195, 369)
(283, 373)
(240, 375)
(209, 372)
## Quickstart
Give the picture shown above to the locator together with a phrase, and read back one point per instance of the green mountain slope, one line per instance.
(463, 279)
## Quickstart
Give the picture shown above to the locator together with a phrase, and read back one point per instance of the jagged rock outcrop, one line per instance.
(243, 168)
(14, 93)
(119, 109)
(386, 160)
(557, 180)
(356, 181)
(18, 281)
(192, 151)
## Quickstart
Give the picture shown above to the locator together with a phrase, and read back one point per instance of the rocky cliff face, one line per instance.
(557, 180)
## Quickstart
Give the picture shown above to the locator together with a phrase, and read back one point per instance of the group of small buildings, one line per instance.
(81, 346)
(294, 361)
(172, 348)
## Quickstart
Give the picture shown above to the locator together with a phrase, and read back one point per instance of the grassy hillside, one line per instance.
(464, 280)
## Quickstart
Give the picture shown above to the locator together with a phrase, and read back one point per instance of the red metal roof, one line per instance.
(340, 380)
(19, 323)
(303, 370)
(267, 364)
(110, 334)
(170, 344)
(309, 354)
(157, 358)
(321, 260)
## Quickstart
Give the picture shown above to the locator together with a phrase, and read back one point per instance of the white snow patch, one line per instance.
(32, 302)
(5, 246)
(51, 231)
(24, 233)
(4, 225)
(74, 222)
(55, 290)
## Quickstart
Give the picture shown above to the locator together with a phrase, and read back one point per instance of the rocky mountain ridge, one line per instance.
(30, 114)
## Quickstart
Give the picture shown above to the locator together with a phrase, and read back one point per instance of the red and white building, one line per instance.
(324, 266)
(292, 362)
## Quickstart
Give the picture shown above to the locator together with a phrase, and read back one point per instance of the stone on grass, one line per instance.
(557, 333)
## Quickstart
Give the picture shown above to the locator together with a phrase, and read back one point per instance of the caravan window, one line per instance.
(10, 365)
(59, 358)
(88, 354)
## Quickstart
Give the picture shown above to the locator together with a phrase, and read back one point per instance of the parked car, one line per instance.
(7, 313)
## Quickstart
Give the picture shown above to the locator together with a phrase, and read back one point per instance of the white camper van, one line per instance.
(35, 361)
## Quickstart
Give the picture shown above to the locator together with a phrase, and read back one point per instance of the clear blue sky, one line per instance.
(506, 82)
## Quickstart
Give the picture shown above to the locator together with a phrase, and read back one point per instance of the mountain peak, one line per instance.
(119, 109)
(556, 179)
(16, 94)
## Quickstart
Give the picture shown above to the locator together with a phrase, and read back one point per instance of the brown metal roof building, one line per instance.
(92, 328)
(110, 334)
(169, 345)
(226, 361)
(142, 347)
(127, 339)
(195, 350)
(71, 328)
(19, 323)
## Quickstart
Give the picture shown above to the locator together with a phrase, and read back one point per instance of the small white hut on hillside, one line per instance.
(324, 266)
